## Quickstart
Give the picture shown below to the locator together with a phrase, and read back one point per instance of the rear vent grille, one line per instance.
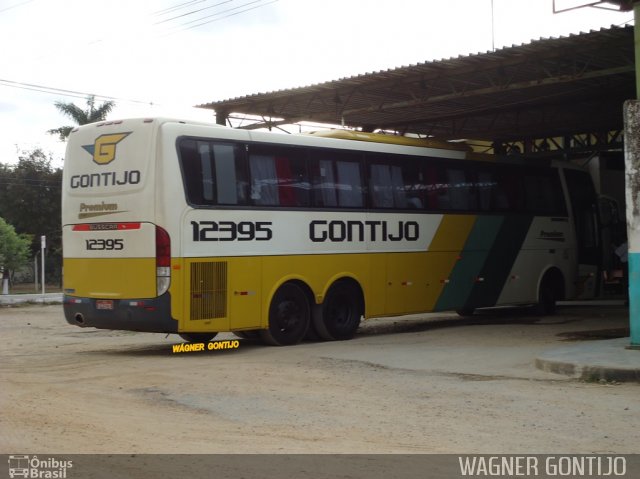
(208, 290)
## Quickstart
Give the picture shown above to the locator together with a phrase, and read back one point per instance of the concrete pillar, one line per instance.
(636, 43)
(222, 117)
(632, 191)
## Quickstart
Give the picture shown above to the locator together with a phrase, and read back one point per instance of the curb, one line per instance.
(48, 298)
(607, 360)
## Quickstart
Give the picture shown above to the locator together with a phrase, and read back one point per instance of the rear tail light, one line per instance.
(163, 261)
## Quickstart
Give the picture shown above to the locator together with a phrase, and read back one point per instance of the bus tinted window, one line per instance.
(498, 189)
(387, 184)
(450, 188)
(278, 176)
(543, 193)
(336, 179)
(507, 196)
(414, 184)
(461, 189)
(213, 173)
(222, 173)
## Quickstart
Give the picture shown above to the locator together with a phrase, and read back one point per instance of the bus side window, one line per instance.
(293, 181)
(543, 194)
(349, 184)
(264, 180)
(486, 186)
(380, 186)
(429, 182)
(413, 188)
(323, 184)
(207, 172)
(278, 176)
(229, 176)
(336, 180)
(191, 171)
(460, 190)
(213, 173)
(508, 191)
(387, 185)
(286, 195)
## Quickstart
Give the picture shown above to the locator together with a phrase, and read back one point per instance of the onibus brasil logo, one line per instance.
(33, 467)
(103, 149)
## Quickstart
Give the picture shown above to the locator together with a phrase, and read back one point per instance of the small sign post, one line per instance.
(43, 245)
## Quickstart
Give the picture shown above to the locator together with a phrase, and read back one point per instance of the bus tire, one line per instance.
(339, 315)
(197, 337)
(251, 334)
(312, 335)
(548, 294)
(289, 316)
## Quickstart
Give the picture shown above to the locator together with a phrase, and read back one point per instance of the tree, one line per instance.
(14, 248)
(80, 116)
(30, 201)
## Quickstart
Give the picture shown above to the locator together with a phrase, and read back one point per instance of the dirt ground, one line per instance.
(428, 384)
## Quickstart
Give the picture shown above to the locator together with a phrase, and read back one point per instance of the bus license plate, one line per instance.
(104, 304)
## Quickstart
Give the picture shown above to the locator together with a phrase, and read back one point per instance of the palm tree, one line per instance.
(81, 117)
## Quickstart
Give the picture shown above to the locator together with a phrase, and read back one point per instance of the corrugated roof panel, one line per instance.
(525, 82)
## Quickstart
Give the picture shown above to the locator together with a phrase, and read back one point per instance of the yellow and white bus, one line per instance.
(178, 227)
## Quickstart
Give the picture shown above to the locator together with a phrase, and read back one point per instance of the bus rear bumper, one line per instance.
(148, 315)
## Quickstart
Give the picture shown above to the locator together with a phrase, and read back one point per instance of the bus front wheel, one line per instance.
(338, 317)
(289, 316)
(548, 294)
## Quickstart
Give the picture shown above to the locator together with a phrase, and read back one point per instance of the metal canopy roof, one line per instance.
(549, 87)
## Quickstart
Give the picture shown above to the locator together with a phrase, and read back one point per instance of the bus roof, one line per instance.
(390, 139)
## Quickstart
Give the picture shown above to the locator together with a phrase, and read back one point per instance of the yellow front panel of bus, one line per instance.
(117, 278)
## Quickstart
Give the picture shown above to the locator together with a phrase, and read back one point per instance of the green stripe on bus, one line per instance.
(499, 262)
(473, 257)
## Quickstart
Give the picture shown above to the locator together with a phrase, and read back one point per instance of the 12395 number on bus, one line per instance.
(231, 231)
(104, 244)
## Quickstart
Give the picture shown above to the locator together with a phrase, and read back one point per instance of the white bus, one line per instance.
(187, 228)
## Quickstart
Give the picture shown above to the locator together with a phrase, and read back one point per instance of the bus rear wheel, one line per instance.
(198, 337)
(338, 317)
(289, 316)
(248, 334)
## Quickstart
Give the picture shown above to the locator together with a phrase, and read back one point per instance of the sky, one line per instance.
(163, 57)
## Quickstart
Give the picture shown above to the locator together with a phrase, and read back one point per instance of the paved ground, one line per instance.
(428, 384)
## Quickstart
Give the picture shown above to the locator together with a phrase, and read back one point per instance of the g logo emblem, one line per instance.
(103, 149)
